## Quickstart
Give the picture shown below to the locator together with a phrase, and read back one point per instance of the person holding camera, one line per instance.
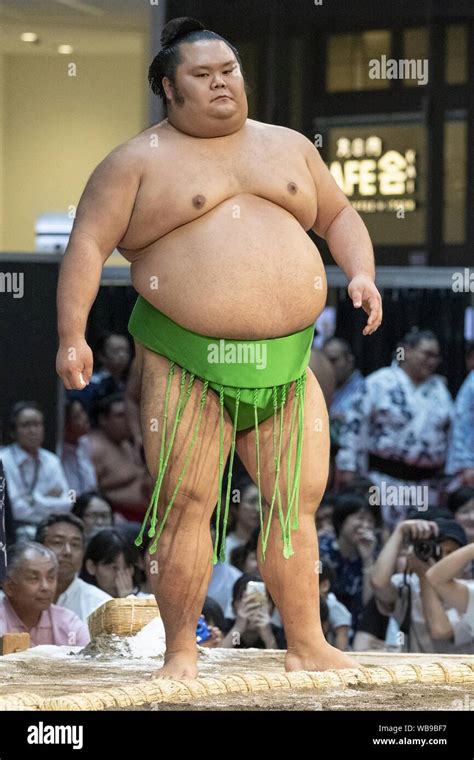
(252, 625)
(444, 577)
(407, 595)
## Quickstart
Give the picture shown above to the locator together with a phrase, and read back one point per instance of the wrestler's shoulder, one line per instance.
(290, 136)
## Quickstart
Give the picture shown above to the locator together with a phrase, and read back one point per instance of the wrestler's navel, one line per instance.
(292, 187)
(199, 201)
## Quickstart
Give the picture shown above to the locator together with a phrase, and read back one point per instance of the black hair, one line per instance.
(327, 573)
(69, 404)
(54, 519)
(104, 547)
(103, 404)
(165, 63)
(239, 554)
(413, 338)
(17, 409)
(344, 343)
(459, 498)
(348, 504)
(83, 501)
(469, 348)
(212, 611)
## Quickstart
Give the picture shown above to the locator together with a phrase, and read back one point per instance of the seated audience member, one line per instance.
(445, 578)
(251, 626)
(94, 511)
(460, 460)
(222, 580)
(214, 619)
(324, 524)
(111, 364)
(35, 478)
(109, 562)
(244, 557)
(64, 535)
(27, 606)
(121, 474)
(400, 583)
(461, 505)
(247, 517)
(372, 631)
(339, 617)
(351, 554)
(74, 451)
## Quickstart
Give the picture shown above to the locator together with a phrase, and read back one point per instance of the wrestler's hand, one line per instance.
(74, 364)
(363, 292)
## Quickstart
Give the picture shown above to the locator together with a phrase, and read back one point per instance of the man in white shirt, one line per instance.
(399, 424)
(35, 478)
(64, 535)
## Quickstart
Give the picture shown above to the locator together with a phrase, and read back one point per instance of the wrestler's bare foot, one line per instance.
(178, 665)
(324, 657)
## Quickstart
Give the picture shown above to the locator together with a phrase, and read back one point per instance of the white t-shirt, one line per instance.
(464, 628)
(222, 583)
(420, 639)
(82, 598)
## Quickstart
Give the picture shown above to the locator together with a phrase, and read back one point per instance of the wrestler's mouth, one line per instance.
(222, 96)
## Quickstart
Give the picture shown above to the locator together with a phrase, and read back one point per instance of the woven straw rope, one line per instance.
(169, 691)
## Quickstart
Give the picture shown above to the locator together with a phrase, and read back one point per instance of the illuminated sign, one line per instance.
(375, 179)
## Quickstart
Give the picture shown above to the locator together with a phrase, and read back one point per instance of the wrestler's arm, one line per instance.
(347, 237)
(102, 218)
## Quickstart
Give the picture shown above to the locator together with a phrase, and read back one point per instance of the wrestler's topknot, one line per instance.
(176, 31)
(177, 28)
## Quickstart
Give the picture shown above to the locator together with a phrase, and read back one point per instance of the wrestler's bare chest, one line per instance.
(185, 178)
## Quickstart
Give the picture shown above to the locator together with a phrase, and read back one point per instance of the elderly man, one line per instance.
(64, 535)
(30, 589)
(212, 209)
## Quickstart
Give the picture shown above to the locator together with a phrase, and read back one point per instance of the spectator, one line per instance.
(401, 422)
(109, 563)
(444, 578)
(460, 461)
(28, 606)
(244, 557)
(122, 476)
(352, 552)
(252, 626)
(247, 518)
(339, 617)
(64, 535)
(36, 482)
(349, 382)
(461, 504)
(408, 595)
(74, 451)
(112, 355)
(222, 581)
(324, 523)
(94, 511)
(3, 533)
(214, 617)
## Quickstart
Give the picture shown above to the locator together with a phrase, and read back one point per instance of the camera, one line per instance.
(426, 549)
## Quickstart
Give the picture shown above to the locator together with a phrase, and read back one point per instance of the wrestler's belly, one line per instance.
(246, 269)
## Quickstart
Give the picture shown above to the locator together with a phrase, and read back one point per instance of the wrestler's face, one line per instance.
(116, 355)
(29, 429)
(115, 424)
(208, 71)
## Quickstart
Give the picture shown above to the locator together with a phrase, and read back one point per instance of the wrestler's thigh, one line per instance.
(200, 480)
(315, 450)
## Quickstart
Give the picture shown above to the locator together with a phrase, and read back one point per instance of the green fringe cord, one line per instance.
(221, 473)
(229, 478)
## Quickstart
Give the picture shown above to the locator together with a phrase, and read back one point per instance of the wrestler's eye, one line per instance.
(202, 75)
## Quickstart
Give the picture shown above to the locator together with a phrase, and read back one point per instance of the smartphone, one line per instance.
(256, 590)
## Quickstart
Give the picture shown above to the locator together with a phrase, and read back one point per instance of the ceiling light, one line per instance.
(29, 37)
(65, 49)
